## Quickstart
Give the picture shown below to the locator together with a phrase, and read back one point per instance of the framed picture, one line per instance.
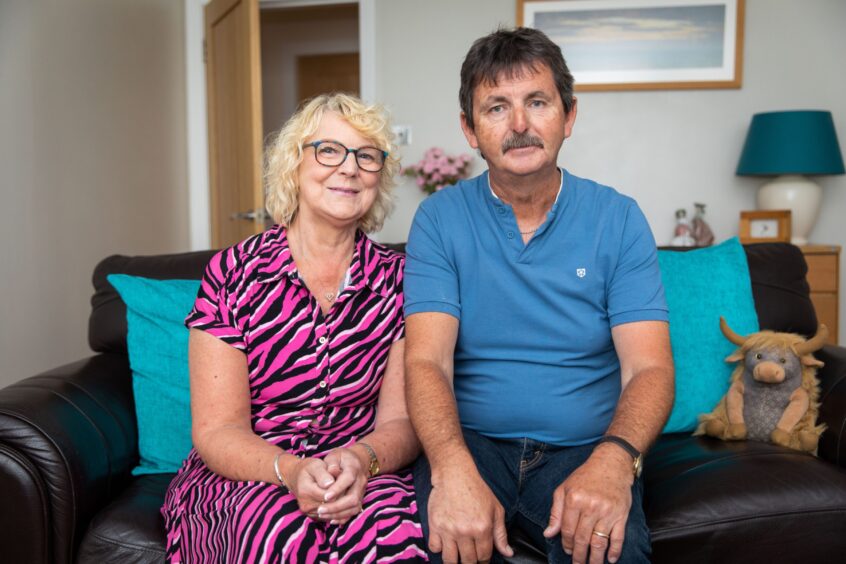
(644, 44)
(765, 226)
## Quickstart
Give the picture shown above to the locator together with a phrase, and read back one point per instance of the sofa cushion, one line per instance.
(721, 497)
(158, 356)
(130, 528)
(701, 286)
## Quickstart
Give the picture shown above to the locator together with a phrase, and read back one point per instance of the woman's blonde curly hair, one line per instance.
(285, 153)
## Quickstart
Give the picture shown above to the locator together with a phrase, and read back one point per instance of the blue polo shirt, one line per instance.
(534, 356)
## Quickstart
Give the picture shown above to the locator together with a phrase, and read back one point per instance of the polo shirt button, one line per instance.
(510, 234)
(321, 340)
(322, 383)
(500, 210)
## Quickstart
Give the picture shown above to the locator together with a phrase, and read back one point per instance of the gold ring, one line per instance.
(603, 535)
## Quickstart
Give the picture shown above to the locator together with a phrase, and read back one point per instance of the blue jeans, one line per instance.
(523, 474)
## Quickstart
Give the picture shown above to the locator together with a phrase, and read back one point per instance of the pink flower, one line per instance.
(437, 170)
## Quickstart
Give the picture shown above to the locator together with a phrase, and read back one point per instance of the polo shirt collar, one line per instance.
(558, 195)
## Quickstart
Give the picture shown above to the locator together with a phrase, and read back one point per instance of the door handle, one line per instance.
(251, 215)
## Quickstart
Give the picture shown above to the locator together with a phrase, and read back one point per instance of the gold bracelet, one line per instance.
(278, 473)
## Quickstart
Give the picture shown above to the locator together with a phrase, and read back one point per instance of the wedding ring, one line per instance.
(603, 535)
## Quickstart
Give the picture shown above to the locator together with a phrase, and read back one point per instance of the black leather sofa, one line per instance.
(68, 442)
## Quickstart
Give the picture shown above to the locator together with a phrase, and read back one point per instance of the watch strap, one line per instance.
(627, 446)
(374, 461)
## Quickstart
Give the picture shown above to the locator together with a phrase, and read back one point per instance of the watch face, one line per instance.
(763, 228)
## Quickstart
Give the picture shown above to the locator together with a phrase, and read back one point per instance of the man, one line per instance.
(538, 361)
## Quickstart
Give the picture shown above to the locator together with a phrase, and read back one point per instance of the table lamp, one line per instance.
(790, 145)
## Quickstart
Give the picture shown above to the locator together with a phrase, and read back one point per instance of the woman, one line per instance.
(300, 428)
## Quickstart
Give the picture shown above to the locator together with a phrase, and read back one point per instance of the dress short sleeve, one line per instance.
(216, 307)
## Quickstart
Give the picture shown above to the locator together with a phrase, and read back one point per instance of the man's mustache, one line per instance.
(520, 141)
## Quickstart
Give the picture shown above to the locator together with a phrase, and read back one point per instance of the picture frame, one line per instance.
(765, 226)
(644, 44)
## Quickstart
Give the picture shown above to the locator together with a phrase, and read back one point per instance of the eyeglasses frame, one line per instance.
(315, 144)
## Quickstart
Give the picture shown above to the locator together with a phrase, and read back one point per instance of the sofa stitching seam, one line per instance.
(746, 518)
(125, 545)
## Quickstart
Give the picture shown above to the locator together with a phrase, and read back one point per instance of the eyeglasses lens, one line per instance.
(333, 154)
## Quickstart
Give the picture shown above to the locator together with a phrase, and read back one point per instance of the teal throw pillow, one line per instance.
(701, 285)
(157, 340)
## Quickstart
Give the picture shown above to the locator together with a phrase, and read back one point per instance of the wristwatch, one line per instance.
(637, 465)
(374, 462)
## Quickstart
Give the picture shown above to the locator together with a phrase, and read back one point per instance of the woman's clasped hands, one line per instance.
(332, 488)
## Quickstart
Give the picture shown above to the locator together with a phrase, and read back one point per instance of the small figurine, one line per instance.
(702, 233)
(682, 234)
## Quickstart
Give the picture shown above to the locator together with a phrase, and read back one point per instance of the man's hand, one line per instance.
(466, 521)
(596, 497)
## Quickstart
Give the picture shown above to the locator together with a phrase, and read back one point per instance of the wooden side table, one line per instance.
(824, 279)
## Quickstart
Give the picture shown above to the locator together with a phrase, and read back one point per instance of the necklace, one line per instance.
(530, 232)
(330, 297)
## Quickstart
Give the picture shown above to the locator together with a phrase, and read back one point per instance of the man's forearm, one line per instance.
(644, 407)
(434, 415)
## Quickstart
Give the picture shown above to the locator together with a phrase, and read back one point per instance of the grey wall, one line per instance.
(92, 161)
(667, 148)
(281, 43)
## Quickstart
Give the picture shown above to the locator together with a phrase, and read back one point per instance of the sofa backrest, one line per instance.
(107, 324)
(780, 288)
(777, 271)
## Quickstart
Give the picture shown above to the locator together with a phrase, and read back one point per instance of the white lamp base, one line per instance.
(799, 195)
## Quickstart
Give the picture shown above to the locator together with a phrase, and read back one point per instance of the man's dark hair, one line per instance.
(509, 52)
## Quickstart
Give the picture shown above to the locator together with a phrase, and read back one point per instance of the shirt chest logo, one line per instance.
(581, 272)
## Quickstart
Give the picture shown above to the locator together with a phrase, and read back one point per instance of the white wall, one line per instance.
(667, 148)
(92, 161)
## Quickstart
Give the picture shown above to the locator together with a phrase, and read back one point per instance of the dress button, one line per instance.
(321, 340)
(322, 384)
(510, 234)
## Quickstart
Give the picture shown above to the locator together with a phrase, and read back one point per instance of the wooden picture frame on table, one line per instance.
(644, 44)
(765, 226)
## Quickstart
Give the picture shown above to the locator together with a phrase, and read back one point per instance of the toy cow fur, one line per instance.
(774, 391)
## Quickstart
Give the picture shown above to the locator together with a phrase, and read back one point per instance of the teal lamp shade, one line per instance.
(791, 142)
(791, 146)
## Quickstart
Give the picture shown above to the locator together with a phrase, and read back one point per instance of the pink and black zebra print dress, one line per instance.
(314, 384)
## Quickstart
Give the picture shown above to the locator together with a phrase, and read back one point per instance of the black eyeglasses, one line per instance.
(332, 153)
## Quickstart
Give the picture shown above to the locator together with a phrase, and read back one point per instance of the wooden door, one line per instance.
(233, 85)
(317, 74)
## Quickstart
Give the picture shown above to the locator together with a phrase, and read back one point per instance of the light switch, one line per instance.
(403, 134)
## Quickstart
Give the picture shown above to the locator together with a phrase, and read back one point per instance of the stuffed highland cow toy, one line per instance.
(774, 391)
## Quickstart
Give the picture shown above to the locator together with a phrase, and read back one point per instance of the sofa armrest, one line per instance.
(68, 442)
(832, 378)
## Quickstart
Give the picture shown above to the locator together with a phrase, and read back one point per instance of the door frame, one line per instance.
(199, 206)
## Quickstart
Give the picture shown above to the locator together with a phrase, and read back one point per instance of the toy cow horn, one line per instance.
(731, 335)
(815, 343)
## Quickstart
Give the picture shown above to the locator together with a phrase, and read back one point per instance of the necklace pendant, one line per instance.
(330, 296)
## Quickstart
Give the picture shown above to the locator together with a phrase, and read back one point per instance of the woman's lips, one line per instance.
(342, 190)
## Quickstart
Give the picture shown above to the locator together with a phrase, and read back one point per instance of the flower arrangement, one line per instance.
(438, 170)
